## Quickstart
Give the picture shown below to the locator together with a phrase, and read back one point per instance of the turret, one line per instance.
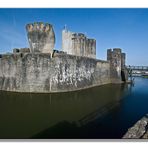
(123, 56)
(41, 37)
(114, 56)
(117, 65)
(78, 44)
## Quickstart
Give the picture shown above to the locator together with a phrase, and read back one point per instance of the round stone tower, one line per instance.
(41, 37)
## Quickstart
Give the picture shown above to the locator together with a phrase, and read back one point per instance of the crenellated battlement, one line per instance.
(38, 26)
(117, 50)
(78, 36)
(92, 40)
(41, 37)
(117, 63)
(78, 44)
(41, 68)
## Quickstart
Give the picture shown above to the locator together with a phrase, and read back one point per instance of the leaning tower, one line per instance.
(41, 37)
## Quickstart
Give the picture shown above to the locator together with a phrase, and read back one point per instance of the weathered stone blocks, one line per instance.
(78, 44)
(41, 73)
(41, 37)
(42, 69)
(117, 65)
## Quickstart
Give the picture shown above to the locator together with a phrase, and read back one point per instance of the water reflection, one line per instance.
(61, 115)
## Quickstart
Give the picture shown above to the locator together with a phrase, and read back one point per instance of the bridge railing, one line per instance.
(140, 68)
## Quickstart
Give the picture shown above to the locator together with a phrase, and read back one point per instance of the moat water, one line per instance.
(101, 112)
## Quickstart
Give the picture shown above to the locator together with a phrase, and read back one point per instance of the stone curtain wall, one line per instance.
(41, 73)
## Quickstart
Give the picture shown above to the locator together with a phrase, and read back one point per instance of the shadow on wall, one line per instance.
(123, 76)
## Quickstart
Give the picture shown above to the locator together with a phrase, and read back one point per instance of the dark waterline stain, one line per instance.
(101, 112)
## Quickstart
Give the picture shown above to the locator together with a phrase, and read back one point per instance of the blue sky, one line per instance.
(123, 28)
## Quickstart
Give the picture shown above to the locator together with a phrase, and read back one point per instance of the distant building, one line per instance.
(78, 44)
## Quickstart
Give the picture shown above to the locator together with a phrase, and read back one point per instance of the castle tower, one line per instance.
(41, 37)
(91, 48)
(114, 56)
(123, 58)
(78, 44)
(67, 45)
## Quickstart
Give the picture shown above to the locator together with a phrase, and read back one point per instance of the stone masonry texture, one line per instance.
(41, 37)
(42, 69)
(41, 73)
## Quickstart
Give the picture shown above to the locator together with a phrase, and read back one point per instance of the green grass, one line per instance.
(146, 76)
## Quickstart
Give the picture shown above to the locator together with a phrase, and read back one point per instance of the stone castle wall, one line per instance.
(26, 72)
(42, 69)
